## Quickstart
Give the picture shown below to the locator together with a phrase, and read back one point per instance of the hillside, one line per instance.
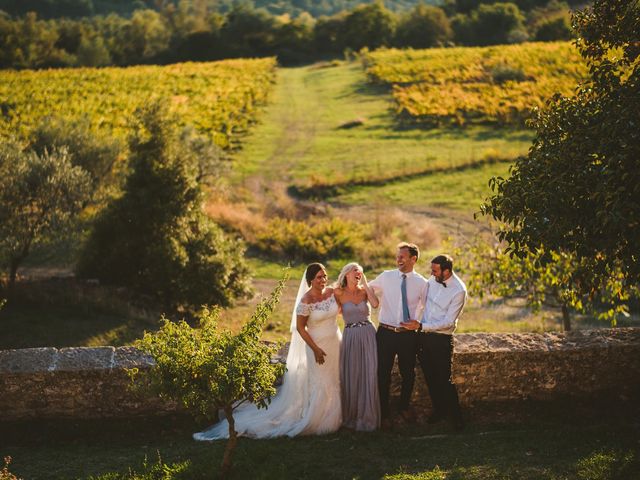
(88, 8)
(328, 173)
(108, 97)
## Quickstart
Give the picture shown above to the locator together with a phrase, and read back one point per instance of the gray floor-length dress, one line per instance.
(358, 369)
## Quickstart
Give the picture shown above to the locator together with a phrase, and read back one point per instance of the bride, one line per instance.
(308, 403)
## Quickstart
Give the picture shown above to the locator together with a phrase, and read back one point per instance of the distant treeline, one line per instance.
(193, 30)
(87, 8)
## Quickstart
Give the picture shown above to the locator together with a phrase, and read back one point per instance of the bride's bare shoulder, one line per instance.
(306, 298)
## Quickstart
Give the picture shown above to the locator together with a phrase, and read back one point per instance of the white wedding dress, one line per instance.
(308, 402)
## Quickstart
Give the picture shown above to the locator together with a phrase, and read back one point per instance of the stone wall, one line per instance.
(92, 382)
(529, 366)
(73, 382)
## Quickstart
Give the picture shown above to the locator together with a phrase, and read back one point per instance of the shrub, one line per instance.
(207, 369)
(368, 25)
(5, 474)
(310, 240)
(605, 465)
(554, 29)
(489, 25)
(424, 26)
(155, 239)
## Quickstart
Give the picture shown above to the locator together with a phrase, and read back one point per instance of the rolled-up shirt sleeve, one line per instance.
(422, 305)
(447, 321)
(376, 284)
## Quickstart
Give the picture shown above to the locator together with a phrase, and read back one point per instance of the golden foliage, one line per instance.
(219, 99)
(498, 84)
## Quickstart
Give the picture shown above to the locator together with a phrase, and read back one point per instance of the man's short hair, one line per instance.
(414, 251)
(445, 262)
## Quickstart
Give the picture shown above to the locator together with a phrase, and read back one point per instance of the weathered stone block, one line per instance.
(131, 357)
(27, 360)
(85, 358)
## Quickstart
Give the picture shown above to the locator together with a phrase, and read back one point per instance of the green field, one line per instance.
(299, 140)
(535, 443)
(434, 190)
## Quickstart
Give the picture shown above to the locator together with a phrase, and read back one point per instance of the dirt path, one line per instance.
(297, 122)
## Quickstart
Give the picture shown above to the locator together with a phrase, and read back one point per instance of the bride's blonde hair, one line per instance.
(342, 278)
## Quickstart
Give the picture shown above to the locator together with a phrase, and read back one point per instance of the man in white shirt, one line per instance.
(401, 294)
(445, 298)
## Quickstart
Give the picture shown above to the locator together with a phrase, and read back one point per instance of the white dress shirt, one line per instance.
(387, 287)
(443, 305)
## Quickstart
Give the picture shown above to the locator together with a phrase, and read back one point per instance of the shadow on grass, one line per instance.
(476, 132)
(366, 89)
(576, 438)
(331, 190)
(64, 312)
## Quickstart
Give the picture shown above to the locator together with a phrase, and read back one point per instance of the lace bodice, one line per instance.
(320, 312)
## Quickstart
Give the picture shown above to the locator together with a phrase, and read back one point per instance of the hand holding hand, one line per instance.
(319, 354)
(411, 325)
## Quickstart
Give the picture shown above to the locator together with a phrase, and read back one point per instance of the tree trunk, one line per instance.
(566, 319)
(15, 262)
(231, 443)
(13, 272)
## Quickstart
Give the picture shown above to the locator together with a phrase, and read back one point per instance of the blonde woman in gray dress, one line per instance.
(358, 351)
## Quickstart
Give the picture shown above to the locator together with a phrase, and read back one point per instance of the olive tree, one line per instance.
(542, 278)
(95, 152)
(208, 369)
(39, 195)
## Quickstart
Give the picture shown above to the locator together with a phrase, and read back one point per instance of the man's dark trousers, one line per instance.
(404, 345)
(435, 351)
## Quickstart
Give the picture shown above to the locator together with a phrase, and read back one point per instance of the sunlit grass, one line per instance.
(299, 137)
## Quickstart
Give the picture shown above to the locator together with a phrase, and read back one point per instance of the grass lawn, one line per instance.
(37, 325)
(299, 135)
(539, 445)
(461, 191)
